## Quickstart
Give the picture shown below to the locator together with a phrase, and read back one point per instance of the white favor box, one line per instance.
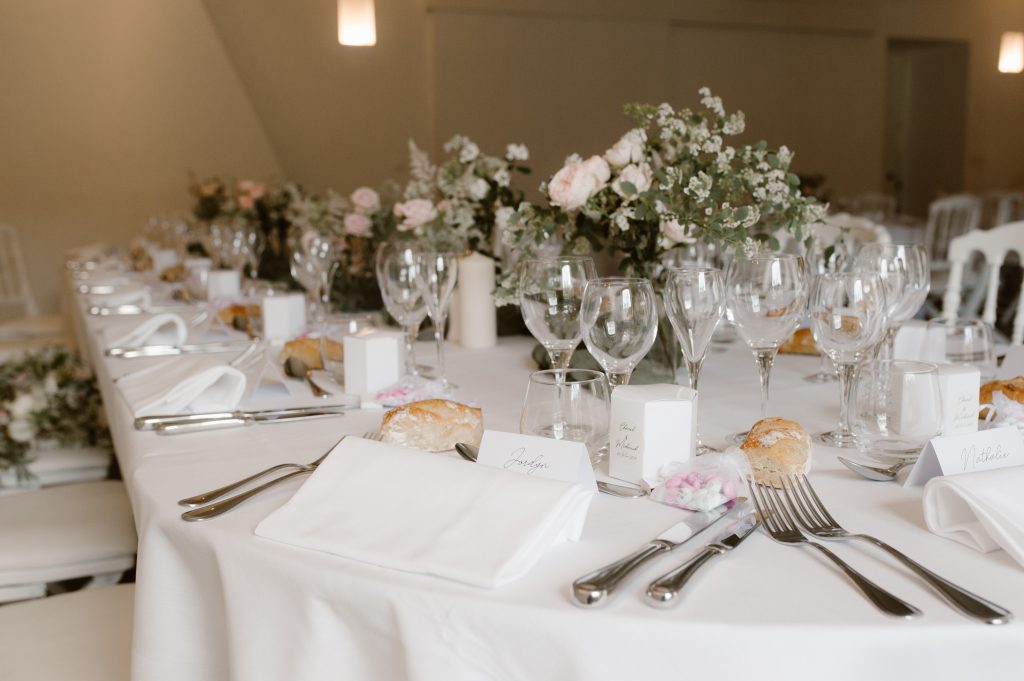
(917, 342)
(373, 360)
(284, 317)
(163, 258)
(223, 284)
(959, 385)
(650, 426)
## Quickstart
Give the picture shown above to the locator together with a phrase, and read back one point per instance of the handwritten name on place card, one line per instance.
(968, 452)
(538, 456)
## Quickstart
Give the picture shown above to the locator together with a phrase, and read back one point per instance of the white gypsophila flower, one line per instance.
(502, 177)
(711, 102)
(478, 188)
(517, 152)
(21, 406)
(50, 385)
(699, 186)
(469, 152)
(622, 217)
(21, 430)
(785, 155)
(502, 217)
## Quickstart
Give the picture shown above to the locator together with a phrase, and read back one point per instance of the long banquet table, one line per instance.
(215, 602)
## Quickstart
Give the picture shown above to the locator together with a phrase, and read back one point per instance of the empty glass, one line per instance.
(570, 405)
(765, 298)
(396, 277)
(903, 269)
(969, 341)
(694, 303)
(435, 279)
(313, 264)
(550, 298)
(897, 408)
(619, 321)
(847, 312)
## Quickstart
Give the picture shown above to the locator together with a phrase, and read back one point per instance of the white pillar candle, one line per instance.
(478, 318)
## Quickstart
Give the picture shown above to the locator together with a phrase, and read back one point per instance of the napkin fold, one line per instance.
(131, 294)
(166, 328)
(423, 513)
(185, 384)
(983, 510)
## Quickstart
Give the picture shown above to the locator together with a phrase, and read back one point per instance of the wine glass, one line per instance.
(550, 297)
(694, 302)
(765, 297)
(904, 271)
(619, 319)
(847, 311)
(823, 258)
(396, 277)
(313, 264)
(897, 408)
(435, 279)
(568, 405)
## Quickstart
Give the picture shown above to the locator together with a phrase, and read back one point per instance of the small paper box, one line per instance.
(372, 361)
(163, 258)
(650, 426)
(284, 317)
(917, 341)
(959, 385)
(223, 284)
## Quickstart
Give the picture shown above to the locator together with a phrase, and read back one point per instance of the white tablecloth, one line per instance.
(214, 602)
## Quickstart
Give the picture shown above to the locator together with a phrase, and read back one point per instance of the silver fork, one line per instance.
(781, 527)
(815, 518)
(218, 507)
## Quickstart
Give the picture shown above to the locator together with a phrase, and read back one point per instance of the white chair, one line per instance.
(18, 308)
(1009, 207)
(993, 244)
(83, 635)
(948, 218)
(65, 532)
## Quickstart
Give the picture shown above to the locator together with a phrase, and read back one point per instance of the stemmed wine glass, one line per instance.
(821, 259)
(847, 312)
(396, 277)
(694, 302)
(765, 297)
(903, 269)
(313, 264)
(619, 319)
(435, 278)
(550, 297)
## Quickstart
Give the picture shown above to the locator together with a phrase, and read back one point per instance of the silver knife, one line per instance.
(594, 588)
(242, 418)
(169, 350)
(664, 591)
(151, 422)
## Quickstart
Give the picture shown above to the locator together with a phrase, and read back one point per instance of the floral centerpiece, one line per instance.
(47, 396)
(670, 181)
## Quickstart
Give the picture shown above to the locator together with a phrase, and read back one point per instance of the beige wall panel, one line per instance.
(822, 95)
(105, 106)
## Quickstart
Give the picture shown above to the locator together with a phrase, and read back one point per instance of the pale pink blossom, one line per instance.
(415, 213)
(357, 224)
(365, 199)
(640, 176)
(577, 181)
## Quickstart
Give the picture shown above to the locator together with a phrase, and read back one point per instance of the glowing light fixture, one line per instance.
(357, 24)
(1011, 52)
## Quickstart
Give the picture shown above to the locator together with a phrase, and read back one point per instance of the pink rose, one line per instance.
(365, 199)
(577, 181)
(415, 213)
(357, 224)
(640, 176)
(598, 169)
(209, 188)
(629, 149)
(254, 189)
(675, 232)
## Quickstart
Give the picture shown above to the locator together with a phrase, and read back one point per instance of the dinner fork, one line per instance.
(775, 519)
(810, 512)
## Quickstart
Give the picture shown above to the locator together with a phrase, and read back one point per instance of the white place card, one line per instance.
(540, 457)
(1013, 363)
(968, 452)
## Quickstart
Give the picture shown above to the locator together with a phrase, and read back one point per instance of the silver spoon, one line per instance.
(470, 452)
(876, 473)
(296, 368)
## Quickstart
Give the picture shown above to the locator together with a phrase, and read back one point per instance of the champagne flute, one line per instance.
(904, 271)
(765, 297)
(435, 278)
(396, 277)
(847, 320)
(619, 319)
(550, 297)
(694, 302)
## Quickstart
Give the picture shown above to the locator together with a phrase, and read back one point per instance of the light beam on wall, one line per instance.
(1011, 52)
(357, 24)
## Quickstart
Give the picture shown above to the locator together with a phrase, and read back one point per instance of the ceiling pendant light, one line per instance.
(357, 24)
(1011, 52)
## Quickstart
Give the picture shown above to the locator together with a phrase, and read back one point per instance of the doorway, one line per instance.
(926, 115)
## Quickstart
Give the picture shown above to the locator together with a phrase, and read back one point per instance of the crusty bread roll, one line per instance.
(434, 425)
(173, 274)
(777, 447)
(308, 350)
(247, 312)
(1012, 389)
(800, 343)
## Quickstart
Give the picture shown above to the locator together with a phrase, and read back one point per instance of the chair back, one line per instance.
(1009, 208)
(993, 245)
(14, 287)
(948, 218)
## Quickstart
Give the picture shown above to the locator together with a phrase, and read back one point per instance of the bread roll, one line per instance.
(433, 425)
(309, 351)
(173, 274)
(800, 343)
(1012, 389)
(247, 312)
(777, 447)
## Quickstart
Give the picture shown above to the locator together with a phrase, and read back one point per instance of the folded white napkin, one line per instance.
(189, 383)
(129, 294)
(166, 328)
(424, 513)
(984, 510)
